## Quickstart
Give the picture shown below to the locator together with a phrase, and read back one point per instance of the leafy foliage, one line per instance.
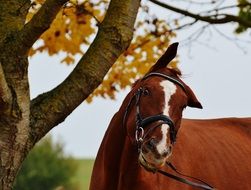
(75, 26)
(244, 13)
(46, 167)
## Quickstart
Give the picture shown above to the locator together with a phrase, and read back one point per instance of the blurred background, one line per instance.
(214, 60)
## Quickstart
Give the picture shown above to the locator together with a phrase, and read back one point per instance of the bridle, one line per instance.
(142, 123)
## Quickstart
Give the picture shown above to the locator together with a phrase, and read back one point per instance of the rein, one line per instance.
(140, 134)
(201, 184)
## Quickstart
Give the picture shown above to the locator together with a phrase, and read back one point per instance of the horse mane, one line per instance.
(176, 71)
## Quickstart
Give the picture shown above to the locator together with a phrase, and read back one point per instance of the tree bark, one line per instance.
(15, 103)
(23, 122)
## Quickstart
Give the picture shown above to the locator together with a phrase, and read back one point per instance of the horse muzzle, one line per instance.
(151, 159)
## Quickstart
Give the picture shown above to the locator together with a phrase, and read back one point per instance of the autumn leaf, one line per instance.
(68, 59)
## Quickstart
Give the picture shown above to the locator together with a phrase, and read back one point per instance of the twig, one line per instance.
(199, 3)
(183, 26)
(226, 18)
(227, 7)
(235, 40)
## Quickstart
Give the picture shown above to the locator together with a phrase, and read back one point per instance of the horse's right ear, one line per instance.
(166, 58)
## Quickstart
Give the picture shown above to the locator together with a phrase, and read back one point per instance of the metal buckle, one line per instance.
(139, 134)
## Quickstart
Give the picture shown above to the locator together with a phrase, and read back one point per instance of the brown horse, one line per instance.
(141, 138)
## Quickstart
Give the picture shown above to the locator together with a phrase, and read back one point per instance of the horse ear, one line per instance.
(166, 58)
(192, 100)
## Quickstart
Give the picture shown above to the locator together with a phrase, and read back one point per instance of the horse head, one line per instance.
(154, 112)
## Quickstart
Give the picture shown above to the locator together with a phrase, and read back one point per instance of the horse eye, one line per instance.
(146, 92)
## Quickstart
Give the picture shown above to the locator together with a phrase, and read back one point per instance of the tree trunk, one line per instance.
(14, 91)
(14, 122)
(23, 122)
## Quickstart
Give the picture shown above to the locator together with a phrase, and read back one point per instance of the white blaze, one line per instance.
(169, 89)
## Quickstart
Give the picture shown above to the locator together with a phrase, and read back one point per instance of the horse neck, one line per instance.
(114, 155)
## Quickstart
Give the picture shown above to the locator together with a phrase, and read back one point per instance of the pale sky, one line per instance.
(219, 73)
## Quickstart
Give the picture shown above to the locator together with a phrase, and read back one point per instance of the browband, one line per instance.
(166, 77)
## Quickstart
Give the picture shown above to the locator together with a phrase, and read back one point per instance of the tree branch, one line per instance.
(184, 26)
(39, 23)
(114, 36)
(236, 40)
(5, 94)
(241, 5)
(212, 19)
(210, 2)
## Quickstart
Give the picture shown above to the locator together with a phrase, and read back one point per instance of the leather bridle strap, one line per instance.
(174, 80)
(202, 185)
(164, 120)
(141, 123)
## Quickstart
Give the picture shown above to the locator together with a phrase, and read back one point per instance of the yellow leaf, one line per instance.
(68, 60)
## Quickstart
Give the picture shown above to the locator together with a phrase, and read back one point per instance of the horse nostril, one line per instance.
(166, 152)
(151, 144)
